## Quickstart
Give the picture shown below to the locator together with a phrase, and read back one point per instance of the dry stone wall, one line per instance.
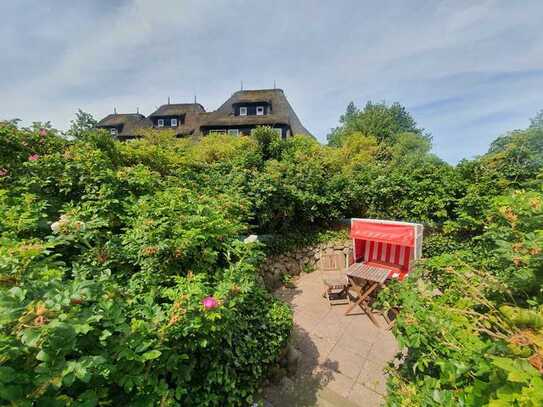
(302, 260)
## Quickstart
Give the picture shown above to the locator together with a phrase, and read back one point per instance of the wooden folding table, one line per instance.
(364, 280)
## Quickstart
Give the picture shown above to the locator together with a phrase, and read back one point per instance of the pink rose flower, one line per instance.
(42, 132)
(3, 172)
(210, 303)
(33, 157)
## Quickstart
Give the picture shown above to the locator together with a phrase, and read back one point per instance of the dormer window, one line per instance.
(243, 111)
(260, 110)
(173, 123)
(160, 123)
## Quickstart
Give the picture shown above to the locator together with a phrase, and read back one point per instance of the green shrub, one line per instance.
(175, 231)
(465, 344)
(106, 254)
(77, 336)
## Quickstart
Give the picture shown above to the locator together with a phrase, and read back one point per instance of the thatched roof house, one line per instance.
(247, 109)
(240, 114)
(124, 125)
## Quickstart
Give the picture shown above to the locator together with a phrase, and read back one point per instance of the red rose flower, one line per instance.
(210, 303)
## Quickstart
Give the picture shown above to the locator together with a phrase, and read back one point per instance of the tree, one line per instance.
(83, 122)
(408, 145)
(359, 148)
(536, 122)
(379, 120)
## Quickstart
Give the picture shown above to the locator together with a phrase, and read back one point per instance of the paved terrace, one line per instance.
(343, 357)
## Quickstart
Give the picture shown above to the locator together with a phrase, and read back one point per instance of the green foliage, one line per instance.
(269, 142)
(87, 338)
(82, 124)
(359, 149)
(420, 189)
(108, 251)
(287, 242)
(466, 344)
(514, 234)
(410, 146)
(22, 216)
(175, 230)
(379, 120)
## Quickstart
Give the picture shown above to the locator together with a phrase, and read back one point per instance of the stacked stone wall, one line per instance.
(302, 260)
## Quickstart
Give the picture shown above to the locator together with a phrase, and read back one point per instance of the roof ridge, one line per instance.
(260, 90)
(126, 114)
(178, 104)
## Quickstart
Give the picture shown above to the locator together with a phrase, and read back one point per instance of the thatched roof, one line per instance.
(177, 109)
(196, 118)
(127, 124)
(281, 111)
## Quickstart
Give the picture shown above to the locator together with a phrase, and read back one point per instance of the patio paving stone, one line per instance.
(342, 357)
(345, 362)
(362, 396)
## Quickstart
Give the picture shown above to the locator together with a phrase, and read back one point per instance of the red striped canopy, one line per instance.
(391, 233)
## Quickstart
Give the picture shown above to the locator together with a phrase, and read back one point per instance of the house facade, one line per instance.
(239, 115)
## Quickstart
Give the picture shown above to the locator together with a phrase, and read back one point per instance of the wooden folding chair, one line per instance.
(332, 268)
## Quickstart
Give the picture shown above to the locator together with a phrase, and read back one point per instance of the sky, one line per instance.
(468, 71)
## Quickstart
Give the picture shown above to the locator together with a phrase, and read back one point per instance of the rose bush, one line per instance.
(104, 266)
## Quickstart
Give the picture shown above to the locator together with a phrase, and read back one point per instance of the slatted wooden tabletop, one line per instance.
(370, 273)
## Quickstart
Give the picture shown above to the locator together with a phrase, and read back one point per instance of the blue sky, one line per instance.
(468, 71)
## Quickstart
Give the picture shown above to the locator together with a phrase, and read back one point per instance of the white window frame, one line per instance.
(160, 123)
(243, 111)
(260, 110)
(113, 131)
(233, 132)
(173, 122)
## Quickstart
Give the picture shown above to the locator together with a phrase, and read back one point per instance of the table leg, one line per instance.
(368, 312)
(362, 298)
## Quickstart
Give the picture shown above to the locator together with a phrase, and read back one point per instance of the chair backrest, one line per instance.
(332, 264)
(332, 261)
